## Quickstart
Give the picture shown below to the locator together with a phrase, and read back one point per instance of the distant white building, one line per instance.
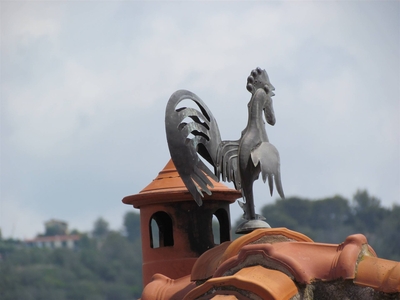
(56, 236)
(53, 242)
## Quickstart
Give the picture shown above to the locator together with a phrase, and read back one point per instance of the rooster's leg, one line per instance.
(252, 220)
(247, 190)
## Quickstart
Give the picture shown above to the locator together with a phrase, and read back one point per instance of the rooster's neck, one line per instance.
(255, 123)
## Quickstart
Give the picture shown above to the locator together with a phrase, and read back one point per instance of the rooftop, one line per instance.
(278, 263)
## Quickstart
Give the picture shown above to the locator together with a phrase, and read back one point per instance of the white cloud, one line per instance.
(23, 24)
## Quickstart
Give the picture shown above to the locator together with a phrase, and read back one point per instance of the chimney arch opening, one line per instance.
(161, 231)
(221, 226)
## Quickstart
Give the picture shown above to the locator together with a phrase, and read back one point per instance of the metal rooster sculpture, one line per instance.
(191, 132)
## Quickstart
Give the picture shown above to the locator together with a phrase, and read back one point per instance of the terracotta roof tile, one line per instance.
(162, 287)
(204, 268)
(305, 262)
(249, 282)
(229, 250)
(169, 182)
(268, 263)
(380, 274)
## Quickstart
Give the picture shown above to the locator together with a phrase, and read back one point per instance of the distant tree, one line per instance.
(132, 226)
(290, 212)
(100, 228)
(55, 228)
(388, 245)
(75, 232)
(7, 247)
(367, 212)
(330, 219)
(330, 212)
(85, 242)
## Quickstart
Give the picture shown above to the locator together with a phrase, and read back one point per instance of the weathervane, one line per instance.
(192, 133)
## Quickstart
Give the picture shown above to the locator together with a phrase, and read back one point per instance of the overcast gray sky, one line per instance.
(84, 87)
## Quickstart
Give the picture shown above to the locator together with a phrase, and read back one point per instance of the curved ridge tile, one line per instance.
(162, 287)
(251, 255)
(302, 261)
(255, 235)
(380, 274)
(348, 253)
(249, 282)
(208, 262)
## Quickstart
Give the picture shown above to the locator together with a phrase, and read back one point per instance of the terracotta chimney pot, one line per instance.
(175, 230)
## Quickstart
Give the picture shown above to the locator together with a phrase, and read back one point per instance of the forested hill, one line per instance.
(106, 265)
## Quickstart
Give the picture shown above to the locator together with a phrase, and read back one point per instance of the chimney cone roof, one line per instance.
(169, 187)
